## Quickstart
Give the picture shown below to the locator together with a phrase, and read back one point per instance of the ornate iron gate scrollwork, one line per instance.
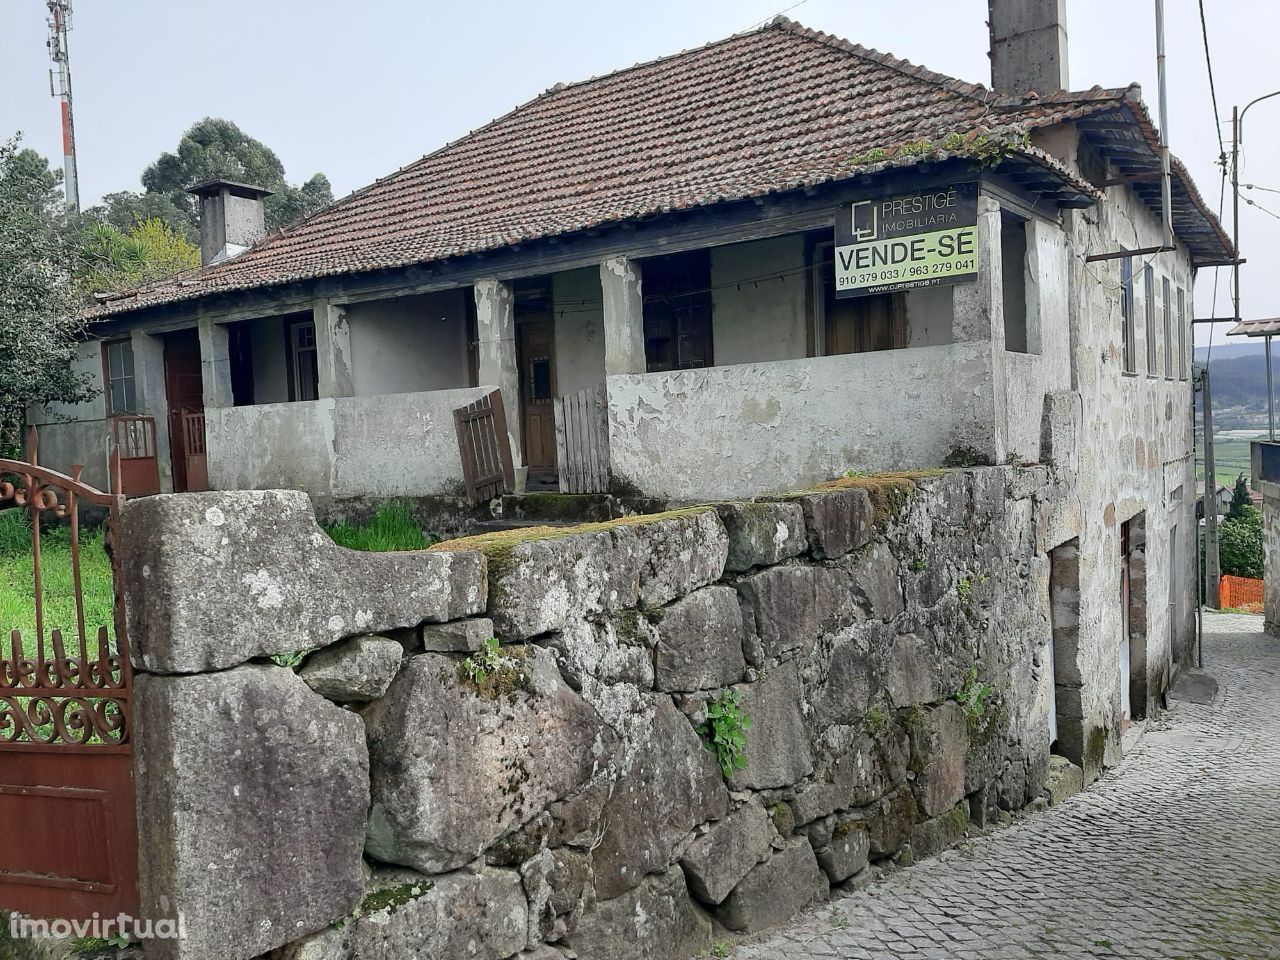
(68, 832)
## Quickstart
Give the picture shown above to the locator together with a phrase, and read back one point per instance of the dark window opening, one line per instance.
(856, 324)
(677, 311)
(240, 348)
(1013, 257)
(122, 390)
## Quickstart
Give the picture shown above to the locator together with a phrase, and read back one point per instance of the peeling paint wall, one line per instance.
(398, 445)
(409, 344)
(754, 428)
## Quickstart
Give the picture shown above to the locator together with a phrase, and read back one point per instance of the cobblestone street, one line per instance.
(1174, 855)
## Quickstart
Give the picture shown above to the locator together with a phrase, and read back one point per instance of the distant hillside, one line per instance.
(1238, 374)
(1232, 349)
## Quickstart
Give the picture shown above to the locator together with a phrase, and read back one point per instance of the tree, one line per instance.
(213, 149)
(125, 209)
(112, 259)
(1240, 544)
(39, 321)
(1239, 499)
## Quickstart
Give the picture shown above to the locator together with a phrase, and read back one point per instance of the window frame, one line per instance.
(1128, 318)
(294, 351)
(1166, 307)
(1182, 333)
(108, 380)
(1149, 313)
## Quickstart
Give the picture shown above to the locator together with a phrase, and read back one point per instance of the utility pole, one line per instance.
(60, 88)
(1212, 565)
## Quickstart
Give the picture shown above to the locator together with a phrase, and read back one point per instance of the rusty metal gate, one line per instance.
(68, 832)
(485, 447)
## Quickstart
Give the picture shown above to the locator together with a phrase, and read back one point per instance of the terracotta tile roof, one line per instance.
(780, 108)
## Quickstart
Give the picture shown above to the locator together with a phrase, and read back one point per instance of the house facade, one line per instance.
(718, 251)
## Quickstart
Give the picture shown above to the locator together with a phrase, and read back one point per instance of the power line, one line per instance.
(1262, 208)
(1213, 92)
(1254, 186)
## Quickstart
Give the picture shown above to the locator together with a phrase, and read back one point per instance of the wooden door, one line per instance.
(537, 395)
(184, 388)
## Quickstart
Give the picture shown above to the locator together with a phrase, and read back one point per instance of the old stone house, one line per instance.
(694, 241)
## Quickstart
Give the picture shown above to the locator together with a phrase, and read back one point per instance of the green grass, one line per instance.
(391, 529)
(17, 589)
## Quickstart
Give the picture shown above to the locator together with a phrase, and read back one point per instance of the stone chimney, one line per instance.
(1028, 46)
(231, 218)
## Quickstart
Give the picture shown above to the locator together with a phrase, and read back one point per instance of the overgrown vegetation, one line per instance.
(1240, 549)
(495, 673)
(17, 588)
(391, 529)
(974, 694)
(724, 732)
(38, 304)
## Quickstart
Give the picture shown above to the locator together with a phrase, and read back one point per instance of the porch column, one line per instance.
(153, 399)
(623, 316)
(333, 350)
(978, 317)
(496, 353)
(979, 305)
(215, 364)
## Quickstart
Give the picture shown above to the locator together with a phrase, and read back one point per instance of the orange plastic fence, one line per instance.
(1241, 592)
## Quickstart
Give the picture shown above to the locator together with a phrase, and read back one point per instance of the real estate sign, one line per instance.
(918, 239)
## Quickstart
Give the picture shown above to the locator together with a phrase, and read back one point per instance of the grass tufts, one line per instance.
(392, 529)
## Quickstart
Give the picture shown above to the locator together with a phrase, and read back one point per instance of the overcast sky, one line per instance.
(357, 88)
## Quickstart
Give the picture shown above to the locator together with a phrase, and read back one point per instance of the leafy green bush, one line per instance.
(1240, 544)
(392, 528)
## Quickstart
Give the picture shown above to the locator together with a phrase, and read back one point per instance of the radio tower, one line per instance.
(59, 24)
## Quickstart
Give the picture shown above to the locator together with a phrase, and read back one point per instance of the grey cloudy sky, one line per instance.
(357, 88)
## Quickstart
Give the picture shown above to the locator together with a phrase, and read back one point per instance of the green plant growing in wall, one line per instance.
(290, 660)
(875, 719)
(725, 731)
(974, 694)
(494, 673)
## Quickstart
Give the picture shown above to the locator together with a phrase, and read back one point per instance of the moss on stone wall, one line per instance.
(889, 492)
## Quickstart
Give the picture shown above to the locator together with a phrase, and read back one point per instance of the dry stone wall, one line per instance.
(409, 790)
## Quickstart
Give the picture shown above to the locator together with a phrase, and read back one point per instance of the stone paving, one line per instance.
(1176, 854)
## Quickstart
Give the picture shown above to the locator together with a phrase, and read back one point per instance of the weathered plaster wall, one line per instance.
(755, 428)
(86, 442)
(398, 445)
(409, 344)
(579, 326)
(563, 799)
(86, 363)
(765, 320)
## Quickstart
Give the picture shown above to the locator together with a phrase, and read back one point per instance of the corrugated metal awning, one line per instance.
(1267, 327)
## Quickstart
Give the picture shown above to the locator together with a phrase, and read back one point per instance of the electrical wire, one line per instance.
(1254, 186)
(1259, 206)
(1213, 92)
